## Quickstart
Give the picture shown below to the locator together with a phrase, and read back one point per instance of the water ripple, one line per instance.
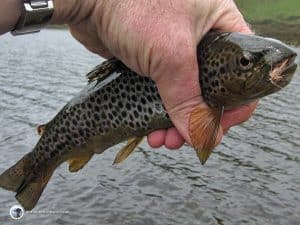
(251, 178)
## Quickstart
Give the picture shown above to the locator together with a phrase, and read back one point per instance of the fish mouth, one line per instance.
(283, 71)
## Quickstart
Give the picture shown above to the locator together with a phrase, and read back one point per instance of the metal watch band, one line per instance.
(36, 14)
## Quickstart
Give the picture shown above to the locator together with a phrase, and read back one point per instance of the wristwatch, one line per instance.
(35, 15)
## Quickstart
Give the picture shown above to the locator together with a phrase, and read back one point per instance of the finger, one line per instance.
(156, 139)
(237, 116)
(173, 139)
(230, 12)
(183, 95)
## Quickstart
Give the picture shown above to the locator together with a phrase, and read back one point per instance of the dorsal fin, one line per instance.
(102, 71)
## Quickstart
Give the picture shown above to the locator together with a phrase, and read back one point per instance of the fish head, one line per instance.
(236, 68)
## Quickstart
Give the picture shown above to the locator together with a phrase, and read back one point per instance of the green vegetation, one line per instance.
(276, 18)
(260, 10)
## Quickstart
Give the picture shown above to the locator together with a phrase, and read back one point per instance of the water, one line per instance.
(252, 178)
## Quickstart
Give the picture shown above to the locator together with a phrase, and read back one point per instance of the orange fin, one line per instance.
(79, 162)
(127, 149)
(204, 126)
(41, 129)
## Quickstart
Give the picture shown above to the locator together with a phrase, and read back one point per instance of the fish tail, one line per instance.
(23, 179)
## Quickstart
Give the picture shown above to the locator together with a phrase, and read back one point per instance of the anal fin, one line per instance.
(79, 162)
(204, 127)
(127, 149)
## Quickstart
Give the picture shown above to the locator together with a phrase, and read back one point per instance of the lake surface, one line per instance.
(251, 178)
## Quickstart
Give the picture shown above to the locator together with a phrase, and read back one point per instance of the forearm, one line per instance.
(10, 11)
(65, 12)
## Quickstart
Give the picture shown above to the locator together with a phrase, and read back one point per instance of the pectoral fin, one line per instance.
(79, 162)
(128, 149)
(204, 126)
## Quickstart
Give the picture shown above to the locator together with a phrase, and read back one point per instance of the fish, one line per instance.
(118, 104)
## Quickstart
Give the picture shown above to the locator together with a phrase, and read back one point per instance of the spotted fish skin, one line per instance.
(105, 113)
(118, 104)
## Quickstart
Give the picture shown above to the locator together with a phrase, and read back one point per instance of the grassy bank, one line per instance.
(278, 10)
(275, 18)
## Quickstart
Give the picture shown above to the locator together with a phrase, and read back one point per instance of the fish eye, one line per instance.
(246, 61)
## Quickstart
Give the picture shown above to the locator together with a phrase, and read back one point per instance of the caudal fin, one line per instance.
(23, 179)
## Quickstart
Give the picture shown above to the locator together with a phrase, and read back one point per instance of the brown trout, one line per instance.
(118, 104)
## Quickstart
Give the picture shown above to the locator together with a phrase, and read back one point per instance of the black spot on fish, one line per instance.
(75, 135)
(128, 106)
(124, 113)
(139, 107)
(80, 131)
(146, 118)
(222, 70)
(88, 124)
(149, 98)
(100, 130)
(134, 98)
(143, 100)
(74, 122)
(131, 124)
(130, 117)
(114, 113)
(132, 81)
(105, 97)
(63, 130)
(150, 111)
(152, 89)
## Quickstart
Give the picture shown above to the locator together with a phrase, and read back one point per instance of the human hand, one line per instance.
(158, 39)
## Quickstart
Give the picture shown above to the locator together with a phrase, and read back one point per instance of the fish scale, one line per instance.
(118, 104)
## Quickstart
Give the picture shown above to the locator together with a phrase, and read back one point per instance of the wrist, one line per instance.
(71, 11)
(10, 12)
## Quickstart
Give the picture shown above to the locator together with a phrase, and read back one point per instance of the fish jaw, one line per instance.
(282, 73)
